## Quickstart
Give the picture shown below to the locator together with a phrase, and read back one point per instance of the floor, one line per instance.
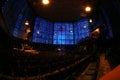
(88, 73)
(104, 67)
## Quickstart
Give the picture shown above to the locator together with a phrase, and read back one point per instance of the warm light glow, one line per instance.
(90, 20)
(26, 23)
(28, 30)
(97, 30)
(59, 49)
(45, 2)
(88, 9)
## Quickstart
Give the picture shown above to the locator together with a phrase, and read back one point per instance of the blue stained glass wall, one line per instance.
(43, 31)
(60, 33)
(81, 30)
(63, 33)
(16, 12)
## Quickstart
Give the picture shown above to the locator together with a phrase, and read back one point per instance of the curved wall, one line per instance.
(60, 32)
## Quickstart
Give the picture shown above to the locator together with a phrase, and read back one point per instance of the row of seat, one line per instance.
(25, 65)
(56, 74)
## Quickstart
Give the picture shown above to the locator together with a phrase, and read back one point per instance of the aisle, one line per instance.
(89, 72)
(104, 67)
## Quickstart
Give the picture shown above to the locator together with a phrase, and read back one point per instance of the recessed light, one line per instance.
(87, 8)
(45, 2)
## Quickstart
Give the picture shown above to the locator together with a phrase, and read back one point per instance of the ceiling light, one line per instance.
(90, 20)
(88, 9)
(45, 2)
(26, 23)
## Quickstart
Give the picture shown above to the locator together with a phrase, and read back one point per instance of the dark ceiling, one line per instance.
(63, 10)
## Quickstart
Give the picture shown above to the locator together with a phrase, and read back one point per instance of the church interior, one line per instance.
(59, 40)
